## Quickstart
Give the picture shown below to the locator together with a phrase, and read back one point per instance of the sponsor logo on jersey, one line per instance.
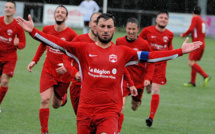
(114, 71)
(113, 58)
(63, 39)
(92, 55)
(102, 73)
(165, 38)
(153, 36)
(9, 32)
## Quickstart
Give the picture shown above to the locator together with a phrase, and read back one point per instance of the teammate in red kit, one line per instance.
(197, 30)
(54, 79)
(12, 37)
(160, 39)
(101, 67)
(75, 87)
(137, 72)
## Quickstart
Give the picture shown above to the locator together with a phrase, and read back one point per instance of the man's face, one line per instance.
(162, 20)
(60, 15)
(92, 23)
(131, 30)
(10, 9)
(105, 30)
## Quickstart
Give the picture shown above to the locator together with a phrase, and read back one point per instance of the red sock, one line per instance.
(193, 75)
(44, 117)
(199, 70)
(121, 119)
(154, 105)
(3, 91)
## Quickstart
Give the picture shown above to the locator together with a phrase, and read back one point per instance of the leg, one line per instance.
(4, 86)
(154, 103)
(136, 100)
(74, 96)
(121, 116)
(44, 108)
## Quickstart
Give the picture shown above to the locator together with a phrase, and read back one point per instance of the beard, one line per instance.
(105, 41)
(60, 22)
(161, 26)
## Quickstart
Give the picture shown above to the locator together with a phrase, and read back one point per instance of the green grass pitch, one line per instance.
(182, 110)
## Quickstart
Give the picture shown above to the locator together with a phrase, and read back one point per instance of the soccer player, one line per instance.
(197, 30)
(101, 65)
(160, 39)
(54, 79)
(88, 7)
(12, 37)
(75, 87)
(137, 72)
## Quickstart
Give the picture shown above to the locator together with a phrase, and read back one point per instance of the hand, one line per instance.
(61, 70)
(16, 41)
(189, 47)
(26, 25)
(133, 91)
(78, 76)
(31, 65)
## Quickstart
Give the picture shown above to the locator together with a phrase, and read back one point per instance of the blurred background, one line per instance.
(144, 10)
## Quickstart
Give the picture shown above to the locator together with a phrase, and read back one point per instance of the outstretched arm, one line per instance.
(157, 56)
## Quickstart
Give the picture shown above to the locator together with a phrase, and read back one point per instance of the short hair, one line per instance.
(11, 1)
(62, 7)
(106, 16)
(163, 11)
(133, 20)
(197, 10)
(93, 14)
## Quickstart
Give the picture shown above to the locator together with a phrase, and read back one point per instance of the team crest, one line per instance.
(165, 38)
(113, 58)
(9, 32)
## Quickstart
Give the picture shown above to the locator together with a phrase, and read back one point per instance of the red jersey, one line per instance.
(7, 35)
(197, 30)
(101, 70)
(54, 56)
(158, 41)
(137, 72)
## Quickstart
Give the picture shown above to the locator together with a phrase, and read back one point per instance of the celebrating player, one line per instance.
(101, 65)
(137, 72)
(160, 39)
(197, 29)
(54, 79)
(12, 37)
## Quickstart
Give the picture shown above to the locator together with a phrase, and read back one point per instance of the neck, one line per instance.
(60, 27)
(160, 29)
(92, 36)
(8, 20)
(102, 45)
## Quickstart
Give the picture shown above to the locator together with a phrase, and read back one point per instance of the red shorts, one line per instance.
(74, 96)
(7, 67)
(126, 92)
(98, 123)
(196, 55)
(159, 75)
(47, 81)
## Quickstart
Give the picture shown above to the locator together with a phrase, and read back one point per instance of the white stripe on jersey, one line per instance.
(195, 33)
(163, 58)
(52, 44)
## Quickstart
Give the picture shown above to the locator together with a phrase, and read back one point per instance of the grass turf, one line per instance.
(182, 110)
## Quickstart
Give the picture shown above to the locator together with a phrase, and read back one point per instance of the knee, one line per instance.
(45, 101)
(155, 91)
(4, 82)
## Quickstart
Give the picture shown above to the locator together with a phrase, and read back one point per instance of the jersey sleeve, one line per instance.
(191, 28)
(67, 64)
(127, 78)
(40, 50)
(69, 48)
(143, 34)
(22, 40)
(170, 46)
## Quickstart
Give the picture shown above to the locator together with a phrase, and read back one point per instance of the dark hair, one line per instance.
(106, 16)
(11, 1)
(95, 13)
(163, 11)
(133, 20)
(62, 7)
(197, 10)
